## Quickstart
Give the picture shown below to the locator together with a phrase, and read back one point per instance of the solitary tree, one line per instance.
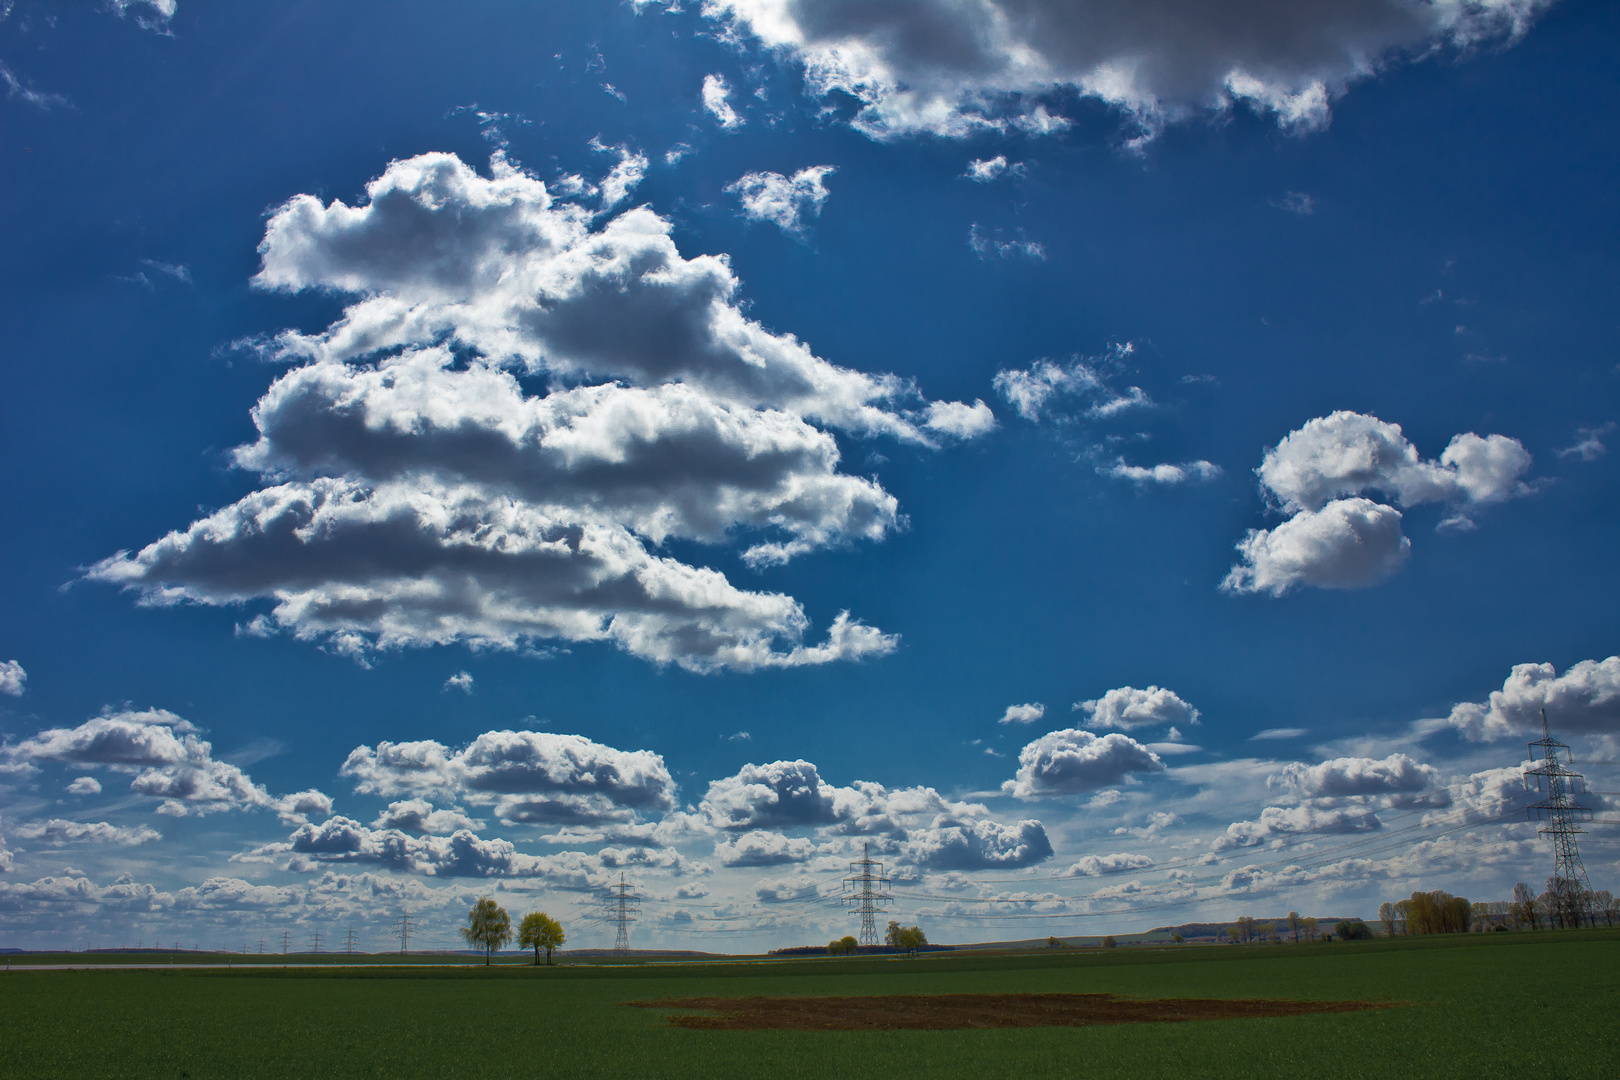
(540, 931)
(1294, 924)
(488, 927)
(1110, 943)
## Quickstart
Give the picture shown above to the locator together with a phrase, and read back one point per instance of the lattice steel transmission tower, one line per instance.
(286, 941)
(348, 941)
(317, 941)
(405, 922)
(1571, 891)
(623, 906)
(867, 890)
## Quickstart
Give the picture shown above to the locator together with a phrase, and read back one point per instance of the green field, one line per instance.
(1480, 1005)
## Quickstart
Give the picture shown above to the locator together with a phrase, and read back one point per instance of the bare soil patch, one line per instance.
(950, 1012)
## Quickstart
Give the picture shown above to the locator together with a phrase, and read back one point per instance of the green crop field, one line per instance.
(1475, 1005)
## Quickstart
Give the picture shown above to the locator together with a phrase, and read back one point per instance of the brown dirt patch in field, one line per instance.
(950, 1012)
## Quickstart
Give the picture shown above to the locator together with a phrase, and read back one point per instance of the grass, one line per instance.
(1482, 1005)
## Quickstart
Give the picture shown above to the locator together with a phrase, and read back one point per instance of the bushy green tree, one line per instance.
(1110, 943)
(844, 946)
(909, 938)
(488, 927)
(1352, 930)
(540, 931)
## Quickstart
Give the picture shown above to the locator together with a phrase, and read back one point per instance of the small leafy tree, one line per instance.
(1310, 924)
(1110, 943)
(1294, 923)
(540, 931)
(1386, 915)
(1054, 943)
(488, 927)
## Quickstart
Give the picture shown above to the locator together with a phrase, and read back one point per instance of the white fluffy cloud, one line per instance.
(1348, 544)
(982, 171)
(1584, 700)
(1343, 777)
(761, 848)
(165, 758)
(463, 854)
(956, 67)
(1165, 473)
(1332, 541)
(1127, 708)
(57, 832)
(1070, 762)
(527, 776)
(979, 845)
(788, 202)
(13, 679)
(419, 816)
(1023, 714)
(793, 794)
(717, 102)
(1348, 453)
(415, 492)
(1114, 863)
(84, 785)
(1281, 821)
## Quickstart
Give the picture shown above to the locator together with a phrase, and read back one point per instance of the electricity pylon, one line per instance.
(867, 890)
(405, 933)
(1569, 885)
(622, 907)
(348, 941)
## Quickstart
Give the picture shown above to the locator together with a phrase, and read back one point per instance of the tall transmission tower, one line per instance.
(348, 941)
(1569, 885)
(867, 890)
(317, 943)
(622, 909)
(405, 922)
(286, 941)
(261, 946)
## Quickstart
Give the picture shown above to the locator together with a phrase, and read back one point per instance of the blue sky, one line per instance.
(445, 441)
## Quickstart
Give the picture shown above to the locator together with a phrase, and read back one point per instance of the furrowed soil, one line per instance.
(953, 1012)
(1473, 1006)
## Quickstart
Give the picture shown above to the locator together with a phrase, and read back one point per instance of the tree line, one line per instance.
(1559, 906)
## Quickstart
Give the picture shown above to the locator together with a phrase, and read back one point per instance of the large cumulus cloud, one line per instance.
(416, 488)
(954, 67)
(1584, 700)
(1334, 538)
(533, 777)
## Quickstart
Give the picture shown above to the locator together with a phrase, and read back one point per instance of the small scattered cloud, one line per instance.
(789, 203)
(1164, 474)
(18, 89)
(717, 102)
(1296, 202)
(461, 680)
(983, 171)
(997, 244)
(738, 736)
(13, 679)
(1278, 733)
(1588, 444)
(1023, 714)
(84, 785)
(1034, 391)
